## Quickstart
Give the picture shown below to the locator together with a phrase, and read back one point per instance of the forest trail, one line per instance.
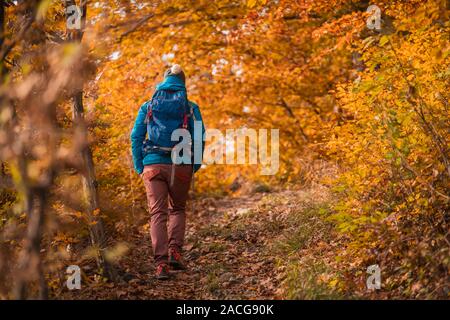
(236, 248)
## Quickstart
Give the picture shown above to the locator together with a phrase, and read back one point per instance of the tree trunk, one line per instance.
(30, 263)
(96, 226)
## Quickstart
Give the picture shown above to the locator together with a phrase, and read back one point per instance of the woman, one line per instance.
(166, 183)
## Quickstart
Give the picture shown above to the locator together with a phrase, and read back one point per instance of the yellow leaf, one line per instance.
(384, 40)
(251, 3)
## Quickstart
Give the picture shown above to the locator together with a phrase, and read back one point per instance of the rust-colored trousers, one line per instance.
(166, 197)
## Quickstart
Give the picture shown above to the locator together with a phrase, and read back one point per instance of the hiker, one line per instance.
(167, 184)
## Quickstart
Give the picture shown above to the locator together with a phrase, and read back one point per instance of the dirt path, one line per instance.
(234, 250)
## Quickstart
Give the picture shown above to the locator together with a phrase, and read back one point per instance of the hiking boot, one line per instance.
(175, 259)
(162, 272)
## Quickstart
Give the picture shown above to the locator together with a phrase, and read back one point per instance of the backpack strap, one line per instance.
(188, 113)
(149, 115)
(191, 110)
(186, 116)
(149, 104)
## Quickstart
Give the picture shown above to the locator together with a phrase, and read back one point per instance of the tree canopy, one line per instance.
(362, 112)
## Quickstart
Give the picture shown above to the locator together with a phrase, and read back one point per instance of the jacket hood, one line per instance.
(171, 83)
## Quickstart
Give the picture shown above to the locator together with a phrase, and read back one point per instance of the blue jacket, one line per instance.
(139, 132)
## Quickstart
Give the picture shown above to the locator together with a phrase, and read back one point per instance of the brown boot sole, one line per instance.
(162, 277)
